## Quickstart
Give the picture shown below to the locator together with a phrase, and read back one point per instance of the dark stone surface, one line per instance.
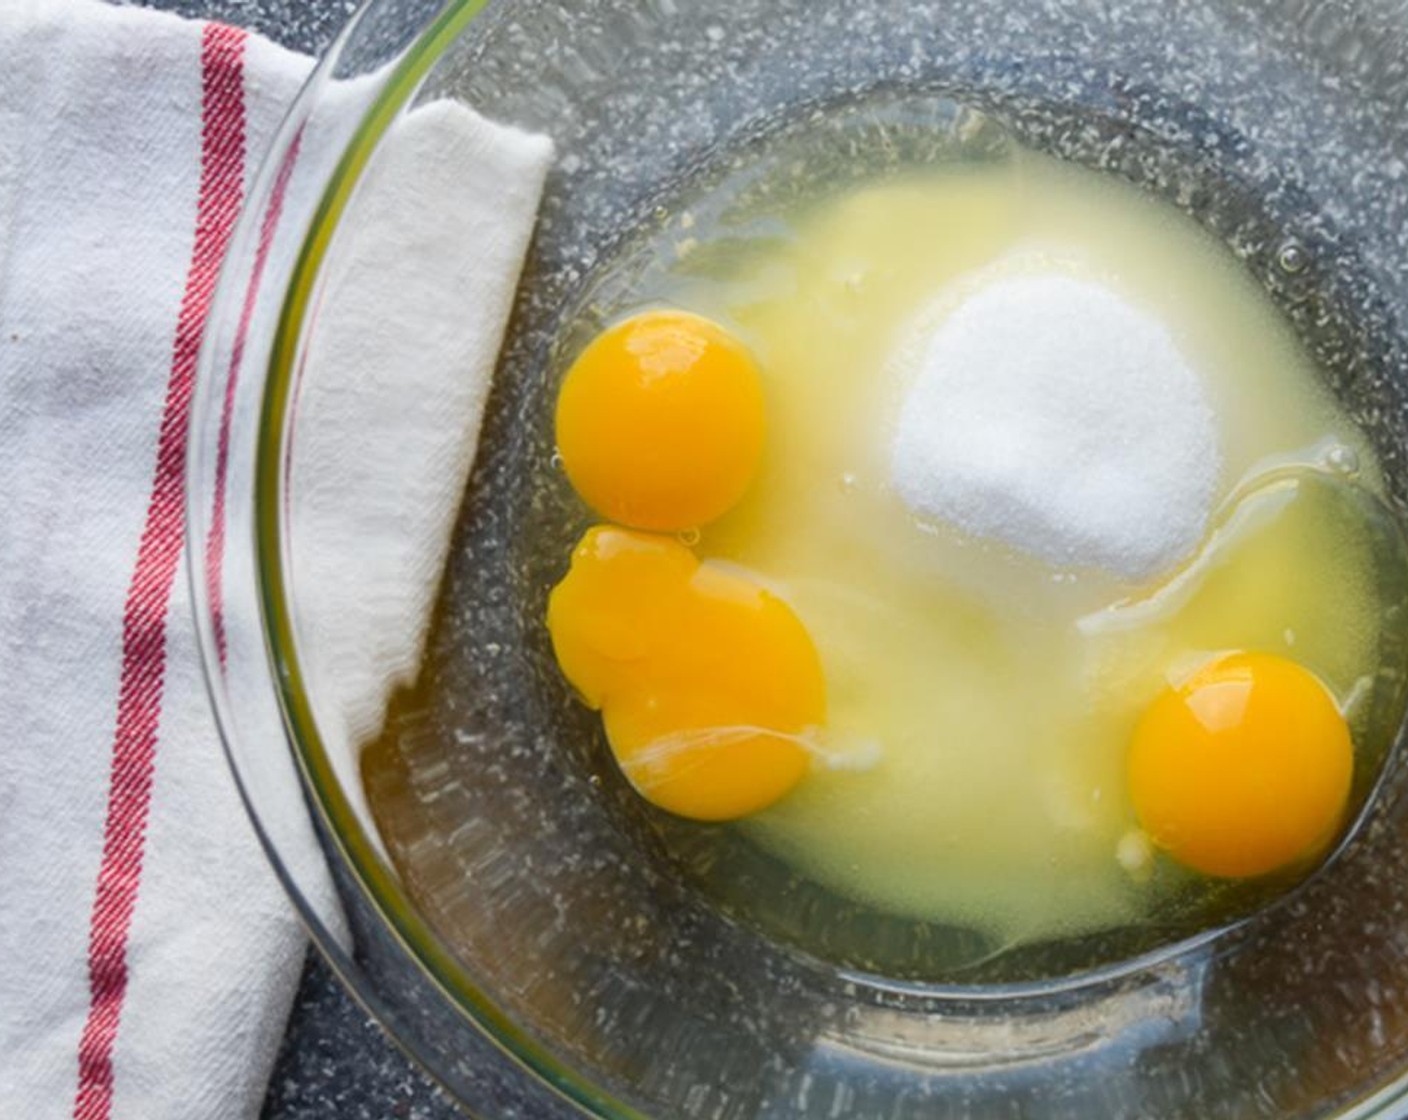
(336, 1064)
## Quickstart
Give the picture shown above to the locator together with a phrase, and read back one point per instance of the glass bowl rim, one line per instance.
(419, 942)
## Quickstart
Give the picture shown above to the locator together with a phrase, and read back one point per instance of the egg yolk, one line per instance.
(1242, 769)
(707, 683)
(660, 421)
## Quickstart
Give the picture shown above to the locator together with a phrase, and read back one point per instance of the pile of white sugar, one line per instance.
(1052, 415)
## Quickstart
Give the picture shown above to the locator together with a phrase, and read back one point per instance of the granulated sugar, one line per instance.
(1050, 414)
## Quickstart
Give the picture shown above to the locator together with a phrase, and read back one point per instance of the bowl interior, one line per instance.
(663, 970)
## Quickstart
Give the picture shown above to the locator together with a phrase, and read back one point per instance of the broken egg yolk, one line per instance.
(660, 421)
(1242, 769)
(708, 684)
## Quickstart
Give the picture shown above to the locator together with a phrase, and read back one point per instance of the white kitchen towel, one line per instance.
(147, 955)
(410, 313)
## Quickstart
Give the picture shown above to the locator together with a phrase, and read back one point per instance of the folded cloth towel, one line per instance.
(410, 313)
(147, 955)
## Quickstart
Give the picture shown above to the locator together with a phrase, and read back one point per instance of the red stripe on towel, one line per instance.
(149, 594)
(215, 538)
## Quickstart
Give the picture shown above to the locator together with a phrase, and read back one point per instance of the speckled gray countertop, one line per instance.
(335, 1063)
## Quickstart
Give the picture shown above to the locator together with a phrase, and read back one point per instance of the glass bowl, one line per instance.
(479, 874)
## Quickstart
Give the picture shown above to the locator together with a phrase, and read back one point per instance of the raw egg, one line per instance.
(1242, 769)
(660, 421)
(708, 684)
(972, 769)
